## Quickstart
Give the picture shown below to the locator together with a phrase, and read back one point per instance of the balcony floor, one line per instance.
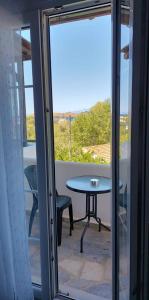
(90, 271)
(87, 275)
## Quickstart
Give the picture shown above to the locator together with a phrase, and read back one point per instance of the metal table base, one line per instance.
(91, 212)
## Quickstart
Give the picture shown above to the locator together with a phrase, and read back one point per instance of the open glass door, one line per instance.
(122, 100)
(122, 81)
(124, 146)
(79, 90)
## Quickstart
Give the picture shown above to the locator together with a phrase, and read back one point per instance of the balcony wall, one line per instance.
(66, 170)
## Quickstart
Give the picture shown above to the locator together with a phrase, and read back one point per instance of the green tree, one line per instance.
(124, 133)
(93, 127)
(88, 129)
(77, 155)
(30, 124)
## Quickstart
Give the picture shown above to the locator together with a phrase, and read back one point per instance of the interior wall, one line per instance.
(31, 5)
(13, 6)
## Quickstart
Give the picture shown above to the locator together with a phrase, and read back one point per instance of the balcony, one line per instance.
(86, 275)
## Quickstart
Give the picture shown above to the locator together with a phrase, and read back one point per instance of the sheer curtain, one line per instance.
(15, 277)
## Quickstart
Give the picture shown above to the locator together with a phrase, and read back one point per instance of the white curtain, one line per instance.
(15, 277)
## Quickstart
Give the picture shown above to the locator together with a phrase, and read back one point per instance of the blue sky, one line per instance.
(81, 65)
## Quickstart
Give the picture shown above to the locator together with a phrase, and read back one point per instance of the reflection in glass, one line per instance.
(27, 66)
(30, 158)
(30, 117)
(124, 148)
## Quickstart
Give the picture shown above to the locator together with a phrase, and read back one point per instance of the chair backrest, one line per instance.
(31, 175)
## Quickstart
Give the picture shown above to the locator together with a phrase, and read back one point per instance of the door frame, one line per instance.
(48, 78)
(42, 156)
(36, 23)
(144, 248)
(138, 147)
(115, 144)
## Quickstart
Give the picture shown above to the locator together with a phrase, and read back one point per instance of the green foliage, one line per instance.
(124, 130)
(93, 127)
(123, 134)
(30, 124)
(76, 155)
(87, 129)
(62, 134)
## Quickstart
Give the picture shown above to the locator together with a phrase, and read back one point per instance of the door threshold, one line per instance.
(78, 294)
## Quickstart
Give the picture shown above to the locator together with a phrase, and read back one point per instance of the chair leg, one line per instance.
(71, 218)
(32, 215)
(59, 226)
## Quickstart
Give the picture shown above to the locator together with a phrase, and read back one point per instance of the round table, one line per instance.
(82, 184)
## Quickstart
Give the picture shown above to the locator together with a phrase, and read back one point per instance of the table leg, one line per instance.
(88, 221)
(88, 215)
(87, 210)
(106, 227)
(79, 220)
(93, 203)
(98, 220)
(82, 236)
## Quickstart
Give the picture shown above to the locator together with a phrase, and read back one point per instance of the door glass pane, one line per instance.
(30, 118)
(81, 86)
(27, 65)
(124, 146)
(30, 158)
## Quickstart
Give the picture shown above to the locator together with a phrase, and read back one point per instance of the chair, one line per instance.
(62, 202)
